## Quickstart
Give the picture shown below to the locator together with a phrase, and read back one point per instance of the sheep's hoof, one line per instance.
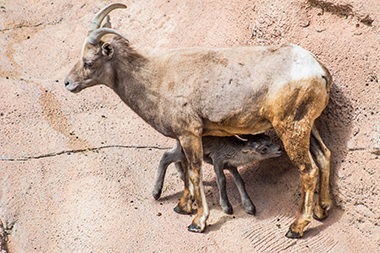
(179, 210)
(320, 213)
(319, 218)
(291, 234)
(228, 210)
(156, 195)
(194, 228)
(251, 210)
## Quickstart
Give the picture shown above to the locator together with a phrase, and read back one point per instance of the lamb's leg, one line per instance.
(174, 155)
(179, 168)
(192, 147)
(179, 165)
(221, 179)
(161, 171)
(245, 200)
(321, 155)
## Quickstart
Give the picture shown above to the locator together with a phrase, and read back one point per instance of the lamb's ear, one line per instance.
(247, 150)
(107, 50)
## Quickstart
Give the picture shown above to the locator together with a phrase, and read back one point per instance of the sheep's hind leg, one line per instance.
(321, 155)
(296, 139)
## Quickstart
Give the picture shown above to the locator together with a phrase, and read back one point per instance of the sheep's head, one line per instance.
(94, 67)
(260, 145)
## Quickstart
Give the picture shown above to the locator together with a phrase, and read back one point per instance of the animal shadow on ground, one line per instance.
(335, 127)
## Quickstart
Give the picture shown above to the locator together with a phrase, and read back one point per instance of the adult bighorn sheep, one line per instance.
(225, 153)
(193, 92)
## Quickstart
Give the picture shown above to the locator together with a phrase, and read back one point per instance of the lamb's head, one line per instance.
(260, 146)
(95, 65)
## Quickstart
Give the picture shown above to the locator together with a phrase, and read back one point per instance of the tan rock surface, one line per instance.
(77, 171)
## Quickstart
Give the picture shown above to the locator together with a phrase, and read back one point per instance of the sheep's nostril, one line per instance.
(67, 82)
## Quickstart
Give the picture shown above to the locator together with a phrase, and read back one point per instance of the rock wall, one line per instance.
(77, 171)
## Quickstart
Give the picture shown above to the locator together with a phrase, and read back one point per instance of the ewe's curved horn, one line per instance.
(96, 35)
(97, 20)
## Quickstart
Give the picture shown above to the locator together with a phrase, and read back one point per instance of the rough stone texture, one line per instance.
(77, 171)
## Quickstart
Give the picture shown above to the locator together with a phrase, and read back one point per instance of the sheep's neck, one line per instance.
(134, 88)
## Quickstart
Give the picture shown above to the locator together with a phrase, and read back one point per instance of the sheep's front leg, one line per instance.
(192, 147)
(186, 202)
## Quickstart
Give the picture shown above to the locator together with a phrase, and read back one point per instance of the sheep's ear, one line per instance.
(107, 50)
(107, 24)
(248, 150)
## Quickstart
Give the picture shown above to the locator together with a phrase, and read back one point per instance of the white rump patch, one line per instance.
(304, 65)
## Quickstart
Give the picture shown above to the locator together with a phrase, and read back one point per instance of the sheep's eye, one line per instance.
(88, 64)
(264, 150)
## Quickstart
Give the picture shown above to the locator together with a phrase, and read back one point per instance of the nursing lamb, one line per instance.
(225, 153)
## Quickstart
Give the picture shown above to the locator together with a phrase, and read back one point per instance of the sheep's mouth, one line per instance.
(278, 153)
(73, 88)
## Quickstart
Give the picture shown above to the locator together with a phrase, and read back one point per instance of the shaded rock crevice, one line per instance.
(345, 10)
(3, 238)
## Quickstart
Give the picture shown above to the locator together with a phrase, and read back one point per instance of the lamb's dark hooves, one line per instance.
(251, 211)
(156, 195)
(291, 234)
(194, 228)
(228, 210)
(179, 210)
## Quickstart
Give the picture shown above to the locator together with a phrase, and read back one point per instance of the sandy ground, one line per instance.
(77, 171)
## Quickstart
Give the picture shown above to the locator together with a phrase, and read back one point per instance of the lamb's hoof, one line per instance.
(291, 234)
(194, 228)
(156, 195)
(251, 210)
(179, 210)
(228, 210)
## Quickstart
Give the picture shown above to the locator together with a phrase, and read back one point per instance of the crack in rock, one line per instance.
(74, 151)
(20, 26)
